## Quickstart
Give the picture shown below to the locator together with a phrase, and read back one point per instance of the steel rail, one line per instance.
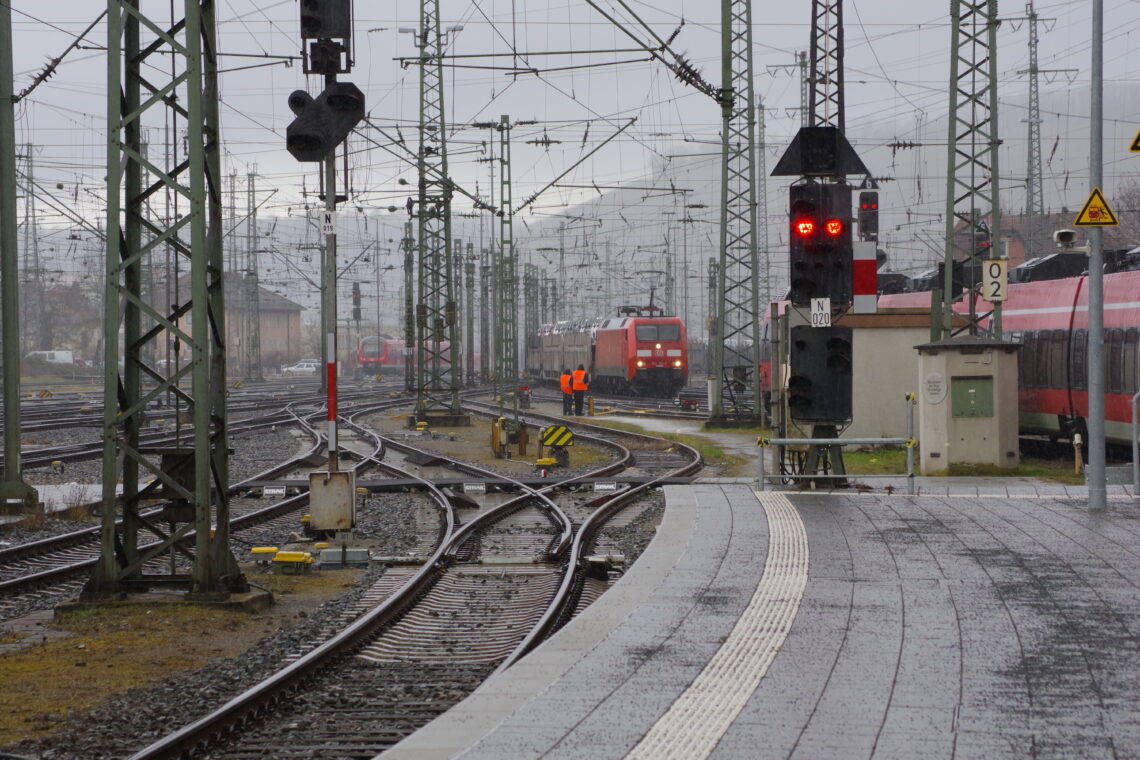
(261, 698)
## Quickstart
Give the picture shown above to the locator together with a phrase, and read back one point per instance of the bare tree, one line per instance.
(1126, 203)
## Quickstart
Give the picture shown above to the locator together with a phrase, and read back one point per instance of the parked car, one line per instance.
(303, 367)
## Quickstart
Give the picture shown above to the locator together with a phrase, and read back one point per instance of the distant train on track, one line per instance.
(380, 355)
(1050, 319)
(633, 353)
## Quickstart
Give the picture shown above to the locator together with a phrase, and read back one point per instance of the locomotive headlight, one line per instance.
(677, 363)
(641, 362)
(658, 345)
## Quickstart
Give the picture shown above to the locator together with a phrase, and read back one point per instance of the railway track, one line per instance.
(500, 581)
(54, 568)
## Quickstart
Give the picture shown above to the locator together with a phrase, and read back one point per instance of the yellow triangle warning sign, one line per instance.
(1096, 212)
(1135, 147)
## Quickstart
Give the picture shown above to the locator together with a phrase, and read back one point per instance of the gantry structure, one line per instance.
(973, 214)
(191, 473)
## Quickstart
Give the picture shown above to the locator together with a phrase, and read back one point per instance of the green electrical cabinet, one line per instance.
(972, 396)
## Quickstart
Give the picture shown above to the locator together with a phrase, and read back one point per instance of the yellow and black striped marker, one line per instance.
(557, 435)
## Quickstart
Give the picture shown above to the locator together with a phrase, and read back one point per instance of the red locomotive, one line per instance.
(628, 354)
(380, 356)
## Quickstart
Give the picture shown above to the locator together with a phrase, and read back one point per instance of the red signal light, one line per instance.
(804, 227)
(834, 227)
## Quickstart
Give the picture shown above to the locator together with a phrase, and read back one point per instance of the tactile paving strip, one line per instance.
(699, 718)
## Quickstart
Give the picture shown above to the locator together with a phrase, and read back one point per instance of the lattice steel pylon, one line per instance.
(764, 256)
(437, 387)
(195, 475)
(1036, 236)
(1034, 197)
(972, 155)
(408, 244)
(506, 268)
(825, 80)
(251, 285)
(736, 331)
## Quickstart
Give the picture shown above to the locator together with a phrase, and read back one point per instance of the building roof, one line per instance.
(267, 300)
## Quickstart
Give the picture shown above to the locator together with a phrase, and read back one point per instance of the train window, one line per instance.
(1078, 368)
(1058, 353)
(646, 332)
(1025, 360)
(668, 332)
(1115, 344)
(1041, 358)
(1131, 339)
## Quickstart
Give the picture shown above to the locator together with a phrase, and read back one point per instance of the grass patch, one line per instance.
(892, 461)
(876, 461)
(111, 649)
(1043, 469)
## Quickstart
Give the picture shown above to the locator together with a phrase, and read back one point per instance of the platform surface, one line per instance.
(963, 622)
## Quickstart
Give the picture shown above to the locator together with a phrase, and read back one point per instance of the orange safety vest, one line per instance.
(564, 381)
(579, 383)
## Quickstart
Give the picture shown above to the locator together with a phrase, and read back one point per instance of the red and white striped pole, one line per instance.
(330, 379)
(864, 277)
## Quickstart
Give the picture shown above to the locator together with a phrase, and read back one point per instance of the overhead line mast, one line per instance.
(437, 386)
(736, 332)
(972, 159)
(194, 474)
(1036, 235)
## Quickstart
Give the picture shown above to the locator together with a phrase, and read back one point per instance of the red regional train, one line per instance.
(627, 354)
(1050, 319)
(380, 356)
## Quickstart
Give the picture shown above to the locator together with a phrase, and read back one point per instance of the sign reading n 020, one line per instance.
(821, 312)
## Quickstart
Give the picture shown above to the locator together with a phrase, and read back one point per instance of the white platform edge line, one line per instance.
(695, 723)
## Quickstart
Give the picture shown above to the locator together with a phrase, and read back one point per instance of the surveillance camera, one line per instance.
(1065, 238)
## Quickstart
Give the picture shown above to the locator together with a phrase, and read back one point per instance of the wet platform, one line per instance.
(972, 620)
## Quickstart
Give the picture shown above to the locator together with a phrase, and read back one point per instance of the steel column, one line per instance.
(972, 153)
(438, 388)
(195, 472)
(469, 281)
(507, 267)
(15, 494)
(409, 245)
(737, 330)
(825, 107)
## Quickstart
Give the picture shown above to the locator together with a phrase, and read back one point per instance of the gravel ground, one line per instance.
(632, 539)
(386, 522)
(14, 534)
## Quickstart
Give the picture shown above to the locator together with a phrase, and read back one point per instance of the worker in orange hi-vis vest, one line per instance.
(567, 391)
(580, 383)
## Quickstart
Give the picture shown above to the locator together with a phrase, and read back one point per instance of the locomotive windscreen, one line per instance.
(370, 347)
(658, 332)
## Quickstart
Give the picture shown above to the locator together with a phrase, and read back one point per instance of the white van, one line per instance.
(53, 357)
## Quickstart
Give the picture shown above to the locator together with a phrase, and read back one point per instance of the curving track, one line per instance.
(499, 582)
